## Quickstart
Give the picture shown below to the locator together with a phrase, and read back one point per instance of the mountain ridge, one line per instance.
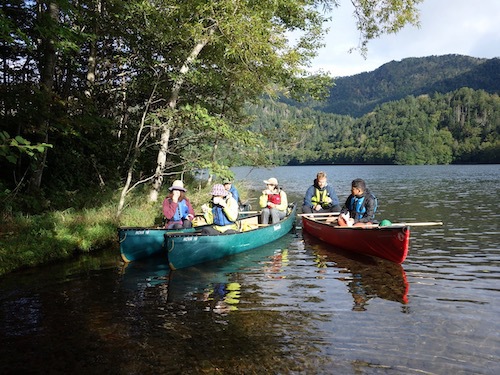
(359, 94)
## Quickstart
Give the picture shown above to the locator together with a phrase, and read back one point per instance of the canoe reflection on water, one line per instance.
(366, 277)
(212, 286)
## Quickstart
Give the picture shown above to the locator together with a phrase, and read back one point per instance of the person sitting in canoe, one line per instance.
(229, 186)
(359, 208)
(177, 209)
(320, 197)
(221, 211)
(273, 202)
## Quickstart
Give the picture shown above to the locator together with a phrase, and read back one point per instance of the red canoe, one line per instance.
(390, 242)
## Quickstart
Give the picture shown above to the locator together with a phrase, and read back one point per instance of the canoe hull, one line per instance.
(185, 250)
(389, 243)
(140, 243)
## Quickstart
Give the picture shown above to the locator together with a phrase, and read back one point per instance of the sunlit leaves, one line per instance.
(12, 148)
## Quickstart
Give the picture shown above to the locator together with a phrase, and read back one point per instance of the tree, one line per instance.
(80, 75)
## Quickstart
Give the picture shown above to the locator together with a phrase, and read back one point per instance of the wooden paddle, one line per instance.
(393, 225)
(320, 214)
(416, 224)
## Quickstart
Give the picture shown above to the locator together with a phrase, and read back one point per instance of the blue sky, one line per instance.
(464, 27)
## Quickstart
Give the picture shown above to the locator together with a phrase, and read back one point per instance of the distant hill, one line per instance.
(359, 94)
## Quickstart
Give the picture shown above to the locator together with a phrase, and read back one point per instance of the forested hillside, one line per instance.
(430, 110)
(359, 94)
(462, 126)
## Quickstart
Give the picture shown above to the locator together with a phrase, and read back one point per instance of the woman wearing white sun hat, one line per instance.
(273, 202)
(177, 209)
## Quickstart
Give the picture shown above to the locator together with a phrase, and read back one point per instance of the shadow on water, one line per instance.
(366, 277)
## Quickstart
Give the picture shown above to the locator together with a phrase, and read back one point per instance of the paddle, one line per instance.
(319, 214)
(416, 224)
(324, 216)
(394, 225)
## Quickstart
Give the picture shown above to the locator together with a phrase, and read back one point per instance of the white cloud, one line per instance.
(447, 27)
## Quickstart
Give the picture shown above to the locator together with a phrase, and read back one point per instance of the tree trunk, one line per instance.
(47, 66)
(92, 60)
(139, 139)
(165, 135)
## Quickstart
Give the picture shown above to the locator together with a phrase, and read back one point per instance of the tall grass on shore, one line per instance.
(32, 240)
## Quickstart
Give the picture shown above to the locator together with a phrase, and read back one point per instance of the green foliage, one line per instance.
(12, 148)
(461, 126)
(374, 18)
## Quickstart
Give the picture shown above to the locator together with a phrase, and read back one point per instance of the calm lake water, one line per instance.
(296, 306)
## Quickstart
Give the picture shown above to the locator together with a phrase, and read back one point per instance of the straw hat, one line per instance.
(177, 185)
(271, 181)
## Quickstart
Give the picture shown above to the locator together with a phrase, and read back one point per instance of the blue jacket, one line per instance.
(361, 209)
(311, 192)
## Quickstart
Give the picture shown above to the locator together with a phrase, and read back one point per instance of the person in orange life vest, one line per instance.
(359, 208)
(176, 207)
(273, 202)
(222, 212)
(320, 197)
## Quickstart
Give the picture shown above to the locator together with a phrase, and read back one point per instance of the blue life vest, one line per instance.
(358, 207)
(182, 211)
(220, 217)
(234, 193)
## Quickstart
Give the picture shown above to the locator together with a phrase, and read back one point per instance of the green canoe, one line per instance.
(188, 249)
(140, 242)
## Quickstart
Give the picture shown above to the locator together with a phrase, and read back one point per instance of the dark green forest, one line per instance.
(462, 126)
(429, 110)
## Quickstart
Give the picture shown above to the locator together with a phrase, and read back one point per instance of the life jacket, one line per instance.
(357, 206)
(319, 197)
(219, 216)
(181, 212)
(274, 198)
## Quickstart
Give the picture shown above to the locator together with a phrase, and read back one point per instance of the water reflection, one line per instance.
(366, 277)
(216, 285)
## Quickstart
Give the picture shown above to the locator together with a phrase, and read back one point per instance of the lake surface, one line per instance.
(296, 306)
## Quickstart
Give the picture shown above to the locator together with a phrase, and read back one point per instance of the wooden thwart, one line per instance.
(249, 212)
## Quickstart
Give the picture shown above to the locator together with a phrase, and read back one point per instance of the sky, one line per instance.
(463, 27)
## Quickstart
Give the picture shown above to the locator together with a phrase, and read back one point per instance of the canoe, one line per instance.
(144, 242)
(189, 249)
(389, 242)
(140, 242)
